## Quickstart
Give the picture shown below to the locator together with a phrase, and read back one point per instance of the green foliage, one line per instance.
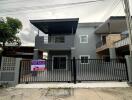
(8, 30)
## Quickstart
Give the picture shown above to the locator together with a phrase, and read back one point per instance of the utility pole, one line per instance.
(129, 23)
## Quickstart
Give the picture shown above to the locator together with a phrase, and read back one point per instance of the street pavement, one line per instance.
(116, 93)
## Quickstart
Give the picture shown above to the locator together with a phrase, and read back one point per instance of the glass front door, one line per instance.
(59, 62)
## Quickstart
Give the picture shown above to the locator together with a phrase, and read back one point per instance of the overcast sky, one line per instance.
(26, 10)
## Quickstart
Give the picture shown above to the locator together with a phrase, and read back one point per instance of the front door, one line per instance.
(59, 62)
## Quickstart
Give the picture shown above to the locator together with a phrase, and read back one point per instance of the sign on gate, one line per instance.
(38, 65)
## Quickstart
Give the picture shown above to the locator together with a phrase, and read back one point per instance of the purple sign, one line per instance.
(38, 65)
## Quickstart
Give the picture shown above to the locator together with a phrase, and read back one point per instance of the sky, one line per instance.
(26, 10)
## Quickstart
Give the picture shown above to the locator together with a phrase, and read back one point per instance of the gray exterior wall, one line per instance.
(72, 42)
(85, 48)
(69, 42)
(59, 53)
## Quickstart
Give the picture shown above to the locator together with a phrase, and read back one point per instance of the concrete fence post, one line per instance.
(17, 67)
(129, 68)
(1, 68)
(112, 52)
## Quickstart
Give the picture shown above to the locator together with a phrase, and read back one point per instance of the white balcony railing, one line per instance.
(121, 43)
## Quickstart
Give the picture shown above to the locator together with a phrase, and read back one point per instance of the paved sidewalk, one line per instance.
(66, 94)
(71, 85)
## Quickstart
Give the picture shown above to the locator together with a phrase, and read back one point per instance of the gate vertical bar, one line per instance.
(71, 70)
(74, 70)
(19, 81)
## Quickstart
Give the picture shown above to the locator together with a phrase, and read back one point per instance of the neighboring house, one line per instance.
(64, 39)
(25, 52)
(113, 41)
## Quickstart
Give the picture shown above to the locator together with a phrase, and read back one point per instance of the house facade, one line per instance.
(113, 41)
(64, 39)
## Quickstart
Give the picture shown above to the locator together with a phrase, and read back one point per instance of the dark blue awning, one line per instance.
(56, 26)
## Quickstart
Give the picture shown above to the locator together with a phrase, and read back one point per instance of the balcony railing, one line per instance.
(54, 42)
(54, 39)
(117, 44)
(109, 42)
(121, 42)
(99, 44)
(100, 47)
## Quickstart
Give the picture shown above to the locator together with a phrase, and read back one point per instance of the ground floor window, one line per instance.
(84, 59)
(59, 62)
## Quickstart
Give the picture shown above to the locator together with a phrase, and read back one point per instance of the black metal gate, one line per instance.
(76, 70)
(49, 75)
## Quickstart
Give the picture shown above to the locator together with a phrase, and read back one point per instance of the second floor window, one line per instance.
(56, 39)
(59, 39)
(83, 38)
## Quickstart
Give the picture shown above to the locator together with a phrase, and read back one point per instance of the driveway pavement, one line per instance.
(66, 94)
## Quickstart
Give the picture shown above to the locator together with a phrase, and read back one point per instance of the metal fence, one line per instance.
(77, 70)
(0, 61)
(101, 70)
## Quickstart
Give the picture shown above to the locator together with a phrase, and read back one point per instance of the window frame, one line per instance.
(59, 56)
(81, 38)
(84, 56)
(57, 39)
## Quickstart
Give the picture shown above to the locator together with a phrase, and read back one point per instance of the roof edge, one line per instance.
(107, 20)
(94, 24)
(55, 20)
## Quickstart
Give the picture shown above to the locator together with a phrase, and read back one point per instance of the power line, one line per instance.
(12, 2)
(119, 2)
(129, 23)
(45, 6)
(114, 5)
(58, 5)
(5, 2)
(121, 9)
(117, 5)
(109, 10)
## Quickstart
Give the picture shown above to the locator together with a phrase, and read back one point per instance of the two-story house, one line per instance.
(64, 39)
(113, 42)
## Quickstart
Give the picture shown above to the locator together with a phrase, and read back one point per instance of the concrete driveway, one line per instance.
(66, 94)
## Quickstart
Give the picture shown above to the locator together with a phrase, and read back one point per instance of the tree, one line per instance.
(9, 28)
